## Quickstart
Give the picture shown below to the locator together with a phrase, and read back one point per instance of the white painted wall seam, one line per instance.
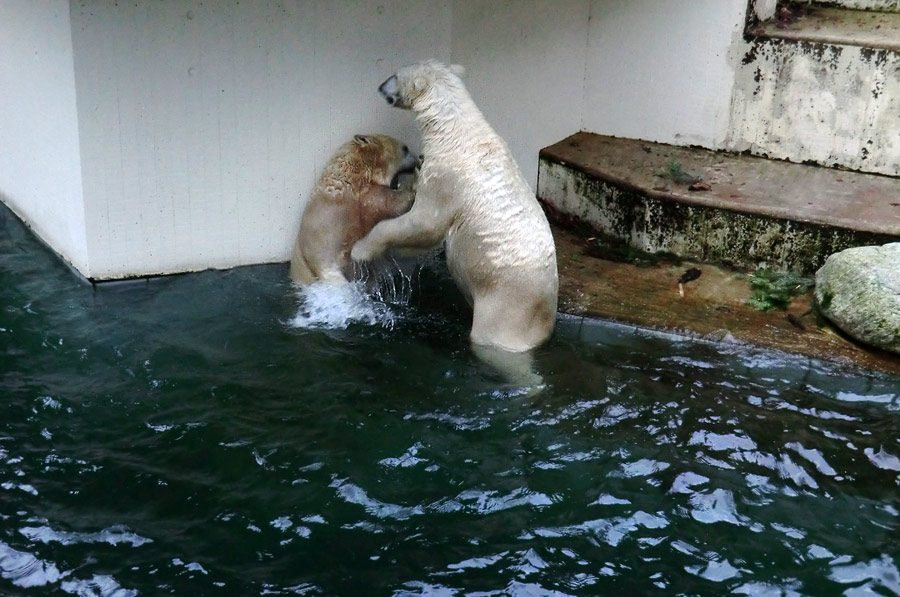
(584, 66)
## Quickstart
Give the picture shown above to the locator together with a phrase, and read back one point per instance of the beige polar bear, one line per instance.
(358, 188)
(472, 196)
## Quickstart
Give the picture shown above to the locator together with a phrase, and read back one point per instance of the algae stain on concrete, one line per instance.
(820, 103)
(653, 222)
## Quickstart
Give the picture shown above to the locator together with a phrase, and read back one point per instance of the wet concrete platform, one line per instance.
(743, 211)
(713, 307)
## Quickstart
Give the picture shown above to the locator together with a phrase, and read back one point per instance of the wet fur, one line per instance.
(472, 196)
(351, 196)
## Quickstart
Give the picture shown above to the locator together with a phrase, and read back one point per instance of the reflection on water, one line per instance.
(190, 436)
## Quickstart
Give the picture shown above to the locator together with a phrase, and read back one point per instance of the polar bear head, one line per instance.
(418, 85)
(377, 159)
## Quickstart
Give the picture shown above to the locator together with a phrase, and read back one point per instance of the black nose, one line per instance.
(388, 90)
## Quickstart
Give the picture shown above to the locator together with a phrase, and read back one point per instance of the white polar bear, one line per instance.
(472, 196)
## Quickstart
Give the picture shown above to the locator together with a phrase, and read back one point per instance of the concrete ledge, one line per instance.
(876, 5)
(838, 26)
(757, 212)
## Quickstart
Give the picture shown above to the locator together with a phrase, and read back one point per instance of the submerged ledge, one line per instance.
(714, 306)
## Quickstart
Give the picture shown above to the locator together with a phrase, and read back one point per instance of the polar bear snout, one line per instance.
(390, 90)
(409, 165)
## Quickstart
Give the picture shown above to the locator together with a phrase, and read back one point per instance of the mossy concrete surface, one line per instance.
(714, 306)
(743, 211)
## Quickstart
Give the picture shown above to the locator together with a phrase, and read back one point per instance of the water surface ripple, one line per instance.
(194, 435)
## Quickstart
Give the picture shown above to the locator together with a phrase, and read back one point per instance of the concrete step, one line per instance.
(836, 26)
(874, 5)
(821, 88)
(755, 213)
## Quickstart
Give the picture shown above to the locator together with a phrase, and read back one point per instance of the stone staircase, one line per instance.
(821, 84)
(813, 151)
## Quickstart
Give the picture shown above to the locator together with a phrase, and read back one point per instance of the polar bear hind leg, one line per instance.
(511, 321)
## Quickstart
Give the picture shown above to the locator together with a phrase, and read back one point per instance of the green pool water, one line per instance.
(216, 434)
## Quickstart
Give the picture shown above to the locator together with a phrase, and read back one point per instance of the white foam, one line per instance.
(337, 306)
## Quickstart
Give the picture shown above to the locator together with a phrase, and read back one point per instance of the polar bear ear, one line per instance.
(458, 70)
(361, 139)
(420, 83)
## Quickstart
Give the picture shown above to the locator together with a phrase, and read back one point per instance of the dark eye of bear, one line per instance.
(405, 150)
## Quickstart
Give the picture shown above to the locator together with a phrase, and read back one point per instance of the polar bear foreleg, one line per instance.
(419, 229)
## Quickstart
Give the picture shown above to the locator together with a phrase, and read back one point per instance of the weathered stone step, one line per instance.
(875, 5)
(757, 212)
(820, 85)
(838, 25)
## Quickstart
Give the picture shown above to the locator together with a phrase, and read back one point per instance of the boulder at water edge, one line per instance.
(859, 291)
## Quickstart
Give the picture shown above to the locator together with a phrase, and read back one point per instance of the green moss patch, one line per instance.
(775, 290)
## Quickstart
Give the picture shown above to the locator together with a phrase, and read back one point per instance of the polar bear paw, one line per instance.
(362, 251)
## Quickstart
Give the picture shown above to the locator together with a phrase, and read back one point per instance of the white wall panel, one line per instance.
(662, 70)
(204, 123)
(40, 170)
(524, 64)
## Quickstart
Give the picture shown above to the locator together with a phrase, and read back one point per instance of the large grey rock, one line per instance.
(859, 290)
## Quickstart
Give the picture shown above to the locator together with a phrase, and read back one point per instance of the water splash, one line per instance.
(337, 307)
(388, 281)
(377, 297)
